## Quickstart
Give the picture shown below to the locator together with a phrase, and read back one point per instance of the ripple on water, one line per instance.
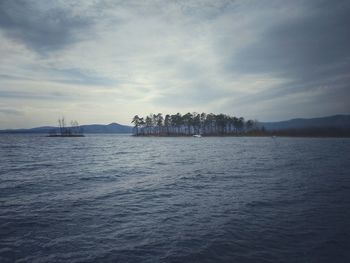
(109, 198)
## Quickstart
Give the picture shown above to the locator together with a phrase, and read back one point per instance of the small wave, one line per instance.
(259, 204)
(121, 153)
(160, 163)
(99, 178)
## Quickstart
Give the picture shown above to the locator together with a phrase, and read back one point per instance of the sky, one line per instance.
(103, 61)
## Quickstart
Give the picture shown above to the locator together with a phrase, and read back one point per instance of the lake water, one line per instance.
(117, 198)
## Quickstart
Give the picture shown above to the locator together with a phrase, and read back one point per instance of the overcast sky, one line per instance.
(105, 61)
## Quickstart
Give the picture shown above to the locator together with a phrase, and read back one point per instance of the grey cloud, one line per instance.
(26, 95)
(40, 29)
(79, 77)
(340, 84)
(11, 112)
(179, 54)
(307, 51)
(192, 95)
(66, 76)
(304, 47)
(12, 77)
(206, 9)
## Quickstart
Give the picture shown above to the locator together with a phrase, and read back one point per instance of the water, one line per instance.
(113, 198)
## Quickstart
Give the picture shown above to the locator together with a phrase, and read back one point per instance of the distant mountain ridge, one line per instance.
(336, 121)
(91, 128)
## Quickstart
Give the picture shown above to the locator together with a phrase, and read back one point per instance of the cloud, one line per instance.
(10, 112)
(105, 61)
(310, 46)
(39, 26)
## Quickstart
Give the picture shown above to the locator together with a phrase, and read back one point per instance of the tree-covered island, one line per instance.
(194, 124)
(65, 131)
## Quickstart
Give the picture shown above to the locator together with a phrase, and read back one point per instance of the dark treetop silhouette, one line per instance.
(193, 124)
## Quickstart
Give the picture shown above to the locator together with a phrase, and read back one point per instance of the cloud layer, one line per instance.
(104, 61)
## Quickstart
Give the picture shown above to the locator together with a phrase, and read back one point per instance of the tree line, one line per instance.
(192, 124)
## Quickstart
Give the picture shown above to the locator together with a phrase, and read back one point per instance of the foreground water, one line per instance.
(112, 198)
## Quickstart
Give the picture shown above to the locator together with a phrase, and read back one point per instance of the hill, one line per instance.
(91, 128)
(336, 121)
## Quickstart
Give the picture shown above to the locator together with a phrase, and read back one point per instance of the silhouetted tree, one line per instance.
(167, 123)
(136, 121)
(159, 121)
(192, 123)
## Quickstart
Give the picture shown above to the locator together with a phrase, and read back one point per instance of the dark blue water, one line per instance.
(112, 198)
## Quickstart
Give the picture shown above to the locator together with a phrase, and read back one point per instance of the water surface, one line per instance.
(117, 198)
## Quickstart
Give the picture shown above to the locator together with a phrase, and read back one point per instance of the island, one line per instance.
(64, 131)
(202, 124)
(195, 124)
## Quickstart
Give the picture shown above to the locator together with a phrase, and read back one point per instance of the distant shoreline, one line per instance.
(321, 133)
(65, 135)
(246, 135)
(329, 132)
(188, 136)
